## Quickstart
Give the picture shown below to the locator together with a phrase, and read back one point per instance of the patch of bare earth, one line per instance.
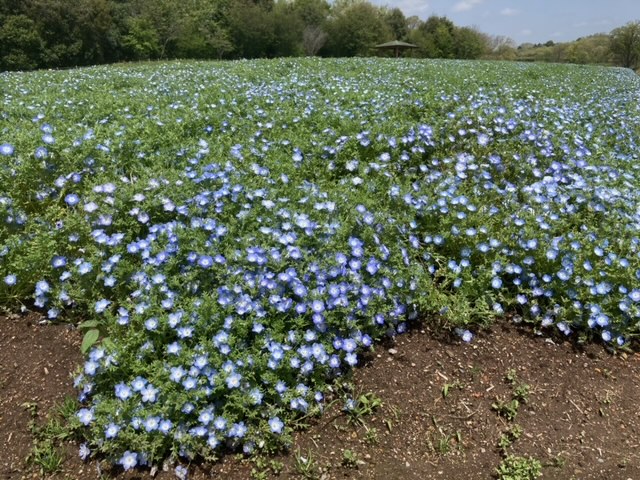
(578, 410)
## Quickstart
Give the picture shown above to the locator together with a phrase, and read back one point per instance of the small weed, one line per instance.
(447, 387)
(507, 438)
(476, 371)
(511, 376)
(363, 406)
(46, 454)
(443, 445)
(349, 459)
(276, 467)
(371, 437)
(306, 466)
(46, 457)
(522, 392)
(505, 409)
(558, 461)
(519, 468)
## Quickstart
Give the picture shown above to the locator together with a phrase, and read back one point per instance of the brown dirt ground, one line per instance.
(581, 420)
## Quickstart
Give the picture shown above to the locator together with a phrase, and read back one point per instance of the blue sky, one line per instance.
(528, 21)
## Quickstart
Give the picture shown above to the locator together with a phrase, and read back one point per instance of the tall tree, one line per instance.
(355, 29)
(20, 43)
(625, 44)
(469, 43)
(397, 23)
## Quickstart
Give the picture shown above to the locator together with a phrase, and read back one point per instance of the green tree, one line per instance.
(202, 32)
(20, 44)
(397, 23)
(141, 41)
(625, 44)
(252, 30)
(355, 29)
(57, 25)
(469, 43)
(314, 13)
(288, 30)
(435, 37)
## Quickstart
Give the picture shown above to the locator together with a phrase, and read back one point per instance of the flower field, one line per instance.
(232, 236)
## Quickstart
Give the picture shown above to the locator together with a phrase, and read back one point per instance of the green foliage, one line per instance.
(506, 409)
(507, 438)
(519, 468)
(355, 29)
(47, 453)
(141, 40)
(51, 33)
(625, 44)
(445, 169)
(363, 406)
(306, 466)
(20, 44)
(349, 459)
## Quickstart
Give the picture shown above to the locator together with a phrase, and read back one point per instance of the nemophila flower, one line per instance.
(84, 452)
(6, 149)
(111, 431)
(151, 324)
(42, 287)
(101, 305)
(128, 460)
(85, 415)
(122, 391)
(41, 153)
(84, 268)
(149, 393)
(181, 472)
(276, 425)
(10, 280)
(237, 430)
(58, 261)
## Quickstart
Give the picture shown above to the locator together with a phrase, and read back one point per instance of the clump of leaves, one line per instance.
(519, 468)
(506, 409)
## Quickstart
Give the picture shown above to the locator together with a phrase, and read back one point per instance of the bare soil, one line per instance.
(579, 416)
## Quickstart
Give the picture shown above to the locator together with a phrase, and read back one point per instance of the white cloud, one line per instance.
(595, 23)
(509, 12)
(408, 7)
(466, 5)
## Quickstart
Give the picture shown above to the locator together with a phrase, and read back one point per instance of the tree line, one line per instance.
(65, 33)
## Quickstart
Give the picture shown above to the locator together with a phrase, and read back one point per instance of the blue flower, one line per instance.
(129, 460)
(276, 425)
(58, 261)
(111, 431)
(84, 452)
(6, 149)
(85, 415)
(41, 153)
(42, 287)
(101, 305)
(122, 391)
(233, 380)
(237, 430)
(10, 280)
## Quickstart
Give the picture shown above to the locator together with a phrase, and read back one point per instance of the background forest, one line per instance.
(62, 33)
